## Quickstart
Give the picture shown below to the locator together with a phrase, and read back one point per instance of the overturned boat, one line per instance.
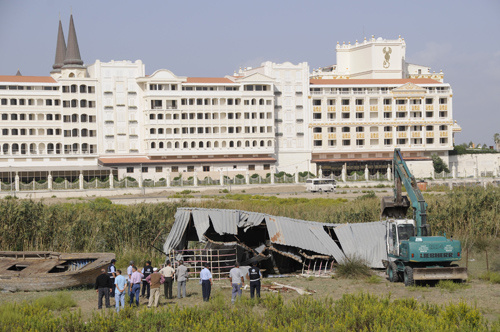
(47, 270)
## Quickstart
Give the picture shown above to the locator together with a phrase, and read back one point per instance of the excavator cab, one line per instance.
(399, 230)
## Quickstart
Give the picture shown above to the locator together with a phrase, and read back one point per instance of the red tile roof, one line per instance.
(144, 160)
(373, 81)
(27, 79)
(207, 80)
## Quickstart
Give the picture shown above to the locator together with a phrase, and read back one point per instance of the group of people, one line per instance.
(112, 283)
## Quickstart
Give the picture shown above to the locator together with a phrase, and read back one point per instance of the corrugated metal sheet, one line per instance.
(364, 240)
(250, 219)
(225, 221)
(297, 233)
(201, 222)
(178, 229)
(327, 241)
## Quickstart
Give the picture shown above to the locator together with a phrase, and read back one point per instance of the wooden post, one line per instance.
(487, 264)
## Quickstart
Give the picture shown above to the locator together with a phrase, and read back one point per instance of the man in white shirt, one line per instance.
(237, 281)
(206, 282)
(129, 269)
(168, 273)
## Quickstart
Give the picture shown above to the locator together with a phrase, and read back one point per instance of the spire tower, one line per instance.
(72, 58)
(60, 50)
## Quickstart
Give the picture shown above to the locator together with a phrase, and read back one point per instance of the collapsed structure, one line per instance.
(280, 244)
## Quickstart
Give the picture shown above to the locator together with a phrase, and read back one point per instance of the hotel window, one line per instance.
(401, 141)
(144, 169)
(206, 168)
(190, 168)
(429, 141)
(331, 116)
(316, 102)
(443, 140)
(267, 167)
(346, 142)
(360, 129)
(130, 170)
(359, 102)
(332, 142)
(429, 101)
(175, 168)
(443, 127)
(345, 102)
(429, 128)
(387, 141)
(359, 115)
(429, 114)
(400, 102)
(443, 101)
(387, 128)
(317, 130)
(360, 142)
(331, 129)
(387, 115)
(346, 115)
(318, 143)
(346, 129)
(251, 167)
(159, 169)
(317, 116)
(387, 101)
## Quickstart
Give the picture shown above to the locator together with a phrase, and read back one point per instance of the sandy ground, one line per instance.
(483, 295)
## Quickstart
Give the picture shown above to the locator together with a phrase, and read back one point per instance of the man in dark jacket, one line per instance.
(103, 288)
(147, 271)
(254, 275)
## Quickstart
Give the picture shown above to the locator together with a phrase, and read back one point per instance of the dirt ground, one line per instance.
(483, 295)
(201, 193)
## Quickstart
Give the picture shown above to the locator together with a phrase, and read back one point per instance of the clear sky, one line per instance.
(214, 38)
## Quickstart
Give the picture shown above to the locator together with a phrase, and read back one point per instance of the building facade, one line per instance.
(112, 118)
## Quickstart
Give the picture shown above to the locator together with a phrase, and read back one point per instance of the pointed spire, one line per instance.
(72, 59)
(60, 50)
(18, 73)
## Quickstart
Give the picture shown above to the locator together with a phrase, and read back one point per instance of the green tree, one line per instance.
(439, 165)
(496, 138)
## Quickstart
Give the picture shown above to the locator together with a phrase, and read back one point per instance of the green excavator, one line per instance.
(413, 255)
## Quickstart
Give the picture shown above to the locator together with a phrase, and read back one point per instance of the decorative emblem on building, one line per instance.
(387, 55)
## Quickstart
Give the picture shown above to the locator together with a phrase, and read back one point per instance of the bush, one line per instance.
(60, 301)
(102, 200)
(239, 176)
(450, 285)
(353, 268)
(493, 277)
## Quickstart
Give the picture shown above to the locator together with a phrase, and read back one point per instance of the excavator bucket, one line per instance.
(391, 209)
(440, 273)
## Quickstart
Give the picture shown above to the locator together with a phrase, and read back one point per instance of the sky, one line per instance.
(215, 38)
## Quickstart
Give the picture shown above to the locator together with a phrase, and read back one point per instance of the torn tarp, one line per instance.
(293, 238)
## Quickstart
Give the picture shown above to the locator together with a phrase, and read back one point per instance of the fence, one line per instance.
(220, 261)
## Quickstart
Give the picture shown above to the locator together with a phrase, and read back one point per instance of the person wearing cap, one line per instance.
(103, 287)
(146, 271)
(112, 274)
(168, 273)
(206, 282)
(236, 280)
(155, 279)
(182, 277)
(254, 276)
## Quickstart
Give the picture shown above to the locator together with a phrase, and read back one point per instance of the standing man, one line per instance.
(155, 280)
(237, 281)
(103, 287)
(135, 286)
(120, 286)
(146, 271)
(112, 274)
(254, 276)
(129, 269)
(182, 277)
(206, 282)
(168, 273)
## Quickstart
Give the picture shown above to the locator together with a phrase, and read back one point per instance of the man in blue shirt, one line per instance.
(206, 282)
(121, 285)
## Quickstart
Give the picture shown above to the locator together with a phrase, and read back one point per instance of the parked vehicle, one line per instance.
(321, 185)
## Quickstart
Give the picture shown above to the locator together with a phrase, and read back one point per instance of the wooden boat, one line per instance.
(46, 270)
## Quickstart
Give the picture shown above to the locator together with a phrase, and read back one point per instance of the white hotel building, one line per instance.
(112, 117)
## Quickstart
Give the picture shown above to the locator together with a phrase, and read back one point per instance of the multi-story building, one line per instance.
(277, 117)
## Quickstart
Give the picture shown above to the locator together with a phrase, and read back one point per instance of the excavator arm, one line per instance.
(397, 206)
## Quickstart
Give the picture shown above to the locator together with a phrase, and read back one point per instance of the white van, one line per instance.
(321, 185)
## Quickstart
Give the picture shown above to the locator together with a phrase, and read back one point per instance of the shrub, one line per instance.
(102, 200)
(239, 176)
(450, 285)
(60, 301)
(353, 268)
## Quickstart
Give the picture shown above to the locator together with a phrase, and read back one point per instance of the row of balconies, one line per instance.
(330, 91)
(373, 108)
(318, 136)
